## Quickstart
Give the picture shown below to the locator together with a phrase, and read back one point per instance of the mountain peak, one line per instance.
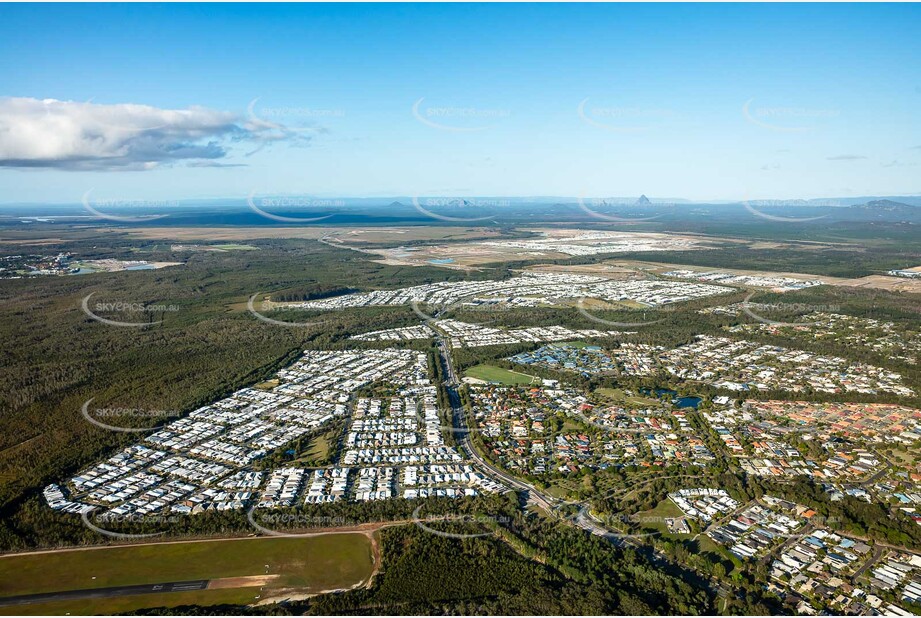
(885, 205)
(643, 201)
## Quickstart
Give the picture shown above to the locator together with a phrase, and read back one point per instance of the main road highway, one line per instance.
(462, 433)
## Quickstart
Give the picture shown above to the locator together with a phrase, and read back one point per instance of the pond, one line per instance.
(681, 402)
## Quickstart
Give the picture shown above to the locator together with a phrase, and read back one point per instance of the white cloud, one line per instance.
(846, 157)
(71, 135)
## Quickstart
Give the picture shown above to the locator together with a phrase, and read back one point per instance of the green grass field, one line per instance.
(706, 544)
(303, 566)
(653, 519)
(503, 376)
(267, 385)
(668, 509)
(317, 450)
(563, 488)
(620, 396)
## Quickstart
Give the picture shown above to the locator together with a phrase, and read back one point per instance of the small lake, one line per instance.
(658, 392)
(681, 402)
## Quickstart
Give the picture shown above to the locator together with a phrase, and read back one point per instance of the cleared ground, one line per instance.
(885, 282)
(616, 268)
(471, 254)
(293, 565)
(345, 235)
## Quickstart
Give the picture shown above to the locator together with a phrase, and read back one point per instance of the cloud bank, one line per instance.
(69, 135)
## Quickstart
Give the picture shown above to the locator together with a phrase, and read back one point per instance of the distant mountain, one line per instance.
(643, 201)
(887, 206)
(911, 200)
(885, 210)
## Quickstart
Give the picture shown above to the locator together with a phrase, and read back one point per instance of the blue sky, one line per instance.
(696, 101)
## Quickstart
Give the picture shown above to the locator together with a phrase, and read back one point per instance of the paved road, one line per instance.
(874, 558)
(462, 434)
(879, 473)
(101, 593)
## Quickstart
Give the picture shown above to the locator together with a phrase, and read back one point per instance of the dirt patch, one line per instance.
(247, 581)
(339, 235)
(883, 282)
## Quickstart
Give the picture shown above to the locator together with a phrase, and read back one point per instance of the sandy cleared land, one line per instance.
(463, 257)
(111, 266)
(885, 282)
(246, 581)
(542, 246)
(602, 269)
(344, 235)
(617, 269)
